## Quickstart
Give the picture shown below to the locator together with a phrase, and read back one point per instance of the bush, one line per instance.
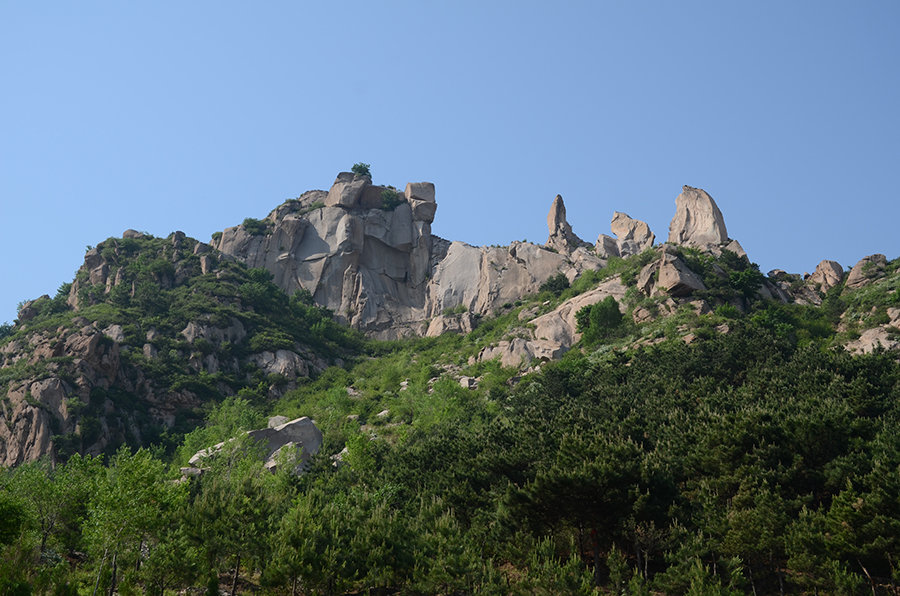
(255, 227)
(598, 321)
(556, 284)
(361, 169)
(390, 199)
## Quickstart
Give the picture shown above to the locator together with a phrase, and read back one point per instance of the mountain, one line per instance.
(152, 331)
(642, 417)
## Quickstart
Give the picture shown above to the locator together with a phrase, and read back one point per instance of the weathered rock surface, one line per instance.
(676, 279)
(633, 235)
(383, 272)
(827, 275)
(866, 271)
(698, 221)
(553, 333)
(561, 238)
(452, 323)
(296, 441)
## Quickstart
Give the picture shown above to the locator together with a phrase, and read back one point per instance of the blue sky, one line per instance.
(194, 115)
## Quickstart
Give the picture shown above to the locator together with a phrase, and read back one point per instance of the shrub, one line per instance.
(598, 321)
(255, 227)
(390, 199)
(556, 284)
(362, 169)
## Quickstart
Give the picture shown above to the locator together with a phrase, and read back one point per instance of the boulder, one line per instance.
(458, 323)
(866, 270)
(872, 339)
(371, 197)
(633, 235)
(698, 221)
(421, 191)
(646, 279)
(347, 190)
(281, 362)
(676, 279)
(827, 275)
(606, 247)
(423, 210)
(301, 436)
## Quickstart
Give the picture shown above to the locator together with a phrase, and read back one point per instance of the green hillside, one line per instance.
(740, 450)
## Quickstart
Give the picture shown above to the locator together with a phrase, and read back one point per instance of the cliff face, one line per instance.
(376, 264)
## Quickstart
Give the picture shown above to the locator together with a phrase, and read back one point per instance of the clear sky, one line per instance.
(164, 116)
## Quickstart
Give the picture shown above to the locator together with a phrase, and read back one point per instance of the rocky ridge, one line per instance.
(77, 377)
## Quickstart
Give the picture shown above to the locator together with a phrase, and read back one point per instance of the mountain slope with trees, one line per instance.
(698, 428)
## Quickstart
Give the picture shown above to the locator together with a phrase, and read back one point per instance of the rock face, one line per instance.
(698, 221)
(383, 272)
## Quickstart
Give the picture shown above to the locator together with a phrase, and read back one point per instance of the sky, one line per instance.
(192, 116)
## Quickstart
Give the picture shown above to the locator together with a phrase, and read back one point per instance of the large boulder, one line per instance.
(827, 275)
(866, 271)
(300, 435)
(347, 190)
(676, 279)
(633, 235)
(698, 221)
(552, 334)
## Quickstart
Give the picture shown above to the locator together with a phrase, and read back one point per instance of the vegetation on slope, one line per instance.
(758, 457)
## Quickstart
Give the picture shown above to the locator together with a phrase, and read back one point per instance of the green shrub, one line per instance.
(362, 169)
(556, 284)
(255, 227)
(315, 205)
(598, 321)
(390, 199)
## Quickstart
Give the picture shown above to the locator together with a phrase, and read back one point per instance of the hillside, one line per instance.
(543, 418)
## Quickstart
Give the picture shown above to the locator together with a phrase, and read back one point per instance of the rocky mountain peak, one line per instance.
(561, 238)
(698, 222)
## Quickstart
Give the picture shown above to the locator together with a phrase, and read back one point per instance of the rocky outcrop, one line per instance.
(633, 235)
(382, 271)
(552, 334)
(38, 408)
(561, 238)
(676, 279)
(827, 275)
(698, 221)
(295, 441)
(867, 270)
(461, 323)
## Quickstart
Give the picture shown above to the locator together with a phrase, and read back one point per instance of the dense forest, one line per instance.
(759, 456)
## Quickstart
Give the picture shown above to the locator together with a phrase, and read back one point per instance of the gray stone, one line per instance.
(422, 191)
(606, 246)
(347, 190)
(827, 275)
(634, 236)
(561, 238)
(866, 270)
(676, 279)
(698, 221)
